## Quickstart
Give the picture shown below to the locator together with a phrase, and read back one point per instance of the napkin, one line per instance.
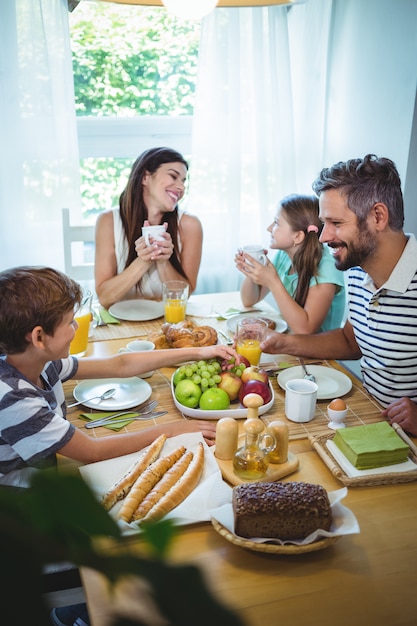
(108, 317)
(95, 416)
(371, 445)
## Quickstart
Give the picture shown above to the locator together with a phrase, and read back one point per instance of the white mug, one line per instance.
(153, 231)
(256, 252)
(139, 345)
(300, 400)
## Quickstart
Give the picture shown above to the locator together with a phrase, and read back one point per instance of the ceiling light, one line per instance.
(190, 9)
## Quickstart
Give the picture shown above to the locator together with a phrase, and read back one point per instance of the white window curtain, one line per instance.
(39, 163)
(282, 93)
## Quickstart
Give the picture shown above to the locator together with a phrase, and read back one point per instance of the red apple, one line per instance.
(254, 373)
(230, 383)
(256, 386)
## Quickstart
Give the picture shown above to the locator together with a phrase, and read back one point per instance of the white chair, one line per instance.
(77, 240)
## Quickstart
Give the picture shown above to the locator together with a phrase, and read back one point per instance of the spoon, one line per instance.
(109, 393)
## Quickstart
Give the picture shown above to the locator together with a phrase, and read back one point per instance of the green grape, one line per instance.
(188, 372)
(204, 383)
(217, 378)
(194, 366)
(205, 375)
(238, 372)
(201, 363)
(210, 368)
(217, 366)
(211, 382)
(196, 379)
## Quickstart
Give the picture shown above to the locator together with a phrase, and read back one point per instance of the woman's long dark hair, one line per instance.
(133, 211)
(301, 212)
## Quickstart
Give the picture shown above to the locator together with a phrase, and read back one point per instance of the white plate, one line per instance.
(331, 383)
(137, 310)
(281, 325)
(237, 412)
(129, 393)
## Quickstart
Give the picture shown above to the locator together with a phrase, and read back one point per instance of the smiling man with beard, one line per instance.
(362, 210)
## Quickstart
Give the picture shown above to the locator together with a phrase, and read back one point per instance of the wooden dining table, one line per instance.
(367, 578)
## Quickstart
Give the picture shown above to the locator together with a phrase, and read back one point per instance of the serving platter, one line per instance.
(129, 393)
(137, 310)
(281, 325)
(331, 383)
(238, 412)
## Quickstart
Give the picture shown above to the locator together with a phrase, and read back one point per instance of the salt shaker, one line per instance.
(227, 430)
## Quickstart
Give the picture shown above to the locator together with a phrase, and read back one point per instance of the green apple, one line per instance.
(178, 375)
(214, 399)
(188, 393)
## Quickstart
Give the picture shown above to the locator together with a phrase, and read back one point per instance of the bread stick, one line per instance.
(121, 488)
(146, 481)
(163, 486)
(182, 488)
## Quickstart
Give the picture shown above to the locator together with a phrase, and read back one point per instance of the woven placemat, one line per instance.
(272, 548)
(390, 478)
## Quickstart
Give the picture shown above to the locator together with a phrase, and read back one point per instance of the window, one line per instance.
(134, 81)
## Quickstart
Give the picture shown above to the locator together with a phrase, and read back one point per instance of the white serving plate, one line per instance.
(137, 310)
(331, 383)
(281, 325)
(129, 393)
(237, 413)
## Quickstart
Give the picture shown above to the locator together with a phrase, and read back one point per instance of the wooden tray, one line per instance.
(272, 548)
(390, 478)
(274, 472)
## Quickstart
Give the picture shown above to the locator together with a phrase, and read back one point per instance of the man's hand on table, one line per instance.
(404, 413)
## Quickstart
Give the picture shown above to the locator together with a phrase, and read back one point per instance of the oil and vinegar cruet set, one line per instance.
(263, 444)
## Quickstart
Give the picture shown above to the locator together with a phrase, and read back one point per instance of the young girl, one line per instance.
(125, 266)
(307, 287)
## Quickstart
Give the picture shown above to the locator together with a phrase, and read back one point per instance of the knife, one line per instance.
(111, 421)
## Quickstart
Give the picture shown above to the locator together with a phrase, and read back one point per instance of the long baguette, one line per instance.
(146, 481)
(162, 487)
(182, 488)
(121, 488)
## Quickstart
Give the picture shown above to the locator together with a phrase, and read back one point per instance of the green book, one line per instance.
(371, 445)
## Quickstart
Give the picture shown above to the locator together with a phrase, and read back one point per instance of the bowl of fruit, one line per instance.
(215, 388)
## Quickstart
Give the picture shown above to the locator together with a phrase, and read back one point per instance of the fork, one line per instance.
(143, 409)
(307, 374)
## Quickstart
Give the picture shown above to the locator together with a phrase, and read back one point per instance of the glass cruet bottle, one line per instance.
(251, 460)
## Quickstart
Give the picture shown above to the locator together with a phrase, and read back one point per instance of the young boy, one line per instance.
(37, 326)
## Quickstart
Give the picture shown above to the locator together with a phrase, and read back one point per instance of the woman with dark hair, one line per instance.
(125, 266)
(307, 287)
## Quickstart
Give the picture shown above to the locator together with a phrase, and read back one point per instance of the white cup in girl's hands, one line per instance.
(153, 231)
(139, 345)
(300, 400)
(256, 252)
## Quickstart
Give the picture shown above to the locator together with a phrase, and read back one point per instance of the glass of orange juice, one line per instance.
(83, 316)
(250, 332)
(175, 296)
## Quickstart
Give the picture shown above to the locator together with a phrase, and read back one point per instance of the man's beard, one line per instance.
(358, 252)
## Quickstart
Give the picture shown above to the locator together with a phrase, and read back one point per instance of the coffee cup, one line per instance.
(139, 345)
(256, 251)
(155, 232)
(300, 400)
